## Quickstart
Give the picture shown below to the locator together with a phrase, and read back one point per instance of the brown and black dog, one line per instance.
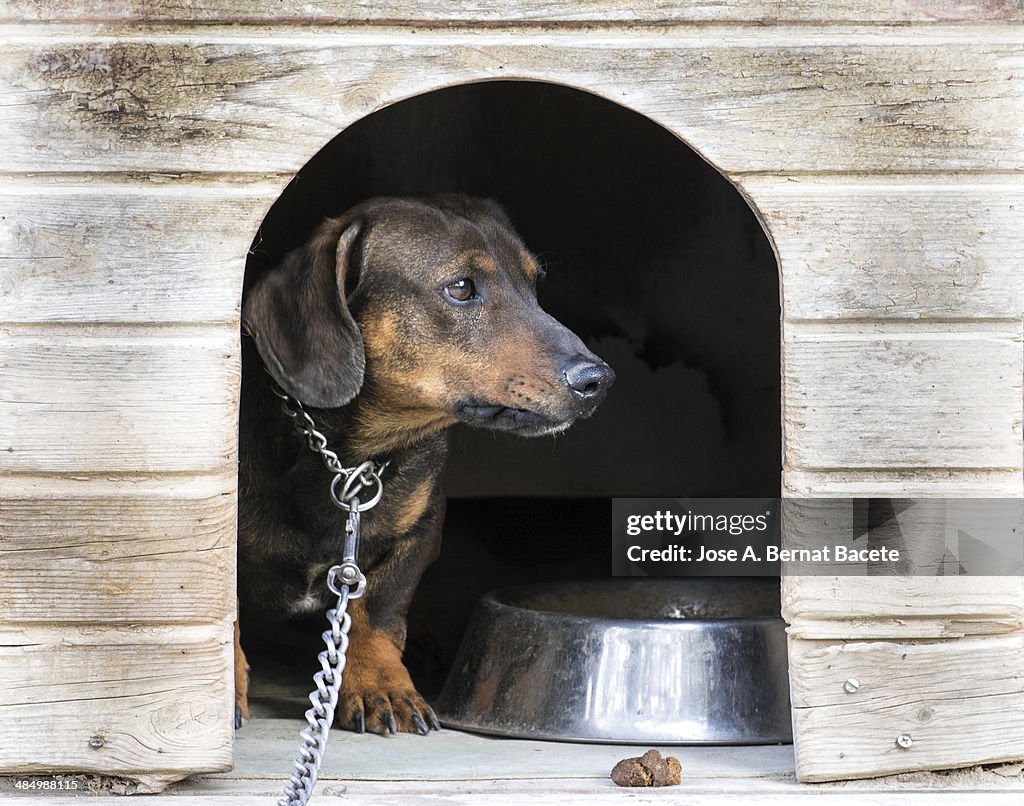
(395, 321)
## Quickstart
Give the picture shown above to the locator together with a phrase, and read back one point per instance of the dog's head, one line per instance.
(427, 309)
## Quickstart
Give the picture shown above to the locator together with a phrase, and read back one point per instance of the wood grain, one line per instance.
(504, 793)
(900, 247)
(961, 702)
(918, 482)
(156, 697)
(427, 11)
(134, 552)
(140, 252)
(907, 247)
(887, 396)
(757, 100)
(943, 585)
(934, 537)
(109, 400)
(99, 380)
(901, 607)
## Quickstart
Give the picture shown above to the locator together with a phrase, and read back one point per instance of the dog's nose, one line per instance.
(589, 380)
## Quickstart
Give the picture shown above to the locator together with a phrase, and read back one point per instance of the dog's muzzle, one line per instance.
(585, 379)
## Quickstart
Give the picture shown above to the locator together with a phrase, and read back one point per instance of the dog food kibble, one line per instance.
(650, 769)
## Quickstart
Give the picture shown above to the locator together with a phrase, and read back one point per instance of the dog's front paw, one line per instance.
(388, 709)
(377, 694)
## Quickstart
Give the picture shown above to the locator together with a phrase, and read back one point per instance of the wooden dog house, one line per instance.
(880, 144)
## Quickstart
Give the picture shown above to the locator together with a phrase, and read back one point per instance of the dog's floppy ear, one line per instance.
(299, 318)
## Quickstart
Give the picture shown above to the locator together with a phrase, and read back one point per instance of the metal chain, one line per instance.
(347, 582)
(353, 479)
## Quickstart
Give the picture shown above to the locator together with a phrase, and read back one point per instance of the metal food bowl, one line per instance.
(637, 661)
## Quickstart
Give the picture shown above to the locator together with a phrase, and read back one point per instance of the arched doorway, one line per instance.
(653, 258)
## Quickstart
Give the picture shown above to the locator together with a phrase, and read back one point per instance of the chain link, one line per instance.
(304, 424)
(353, 479)
(347, 582)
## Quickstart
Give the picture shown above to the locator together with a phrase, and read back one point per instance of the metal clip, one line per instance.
(346, 579)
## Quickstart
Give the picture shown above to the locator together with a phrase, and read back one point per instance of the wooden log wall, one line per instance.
(881, 144)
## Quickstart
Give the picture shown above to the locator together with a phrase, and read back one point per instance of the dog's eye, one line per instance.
(461, 290)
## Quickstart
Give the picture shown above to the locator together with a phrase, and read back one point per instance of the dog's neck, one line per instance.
(370, 427)
(374, 427)
(380, 427)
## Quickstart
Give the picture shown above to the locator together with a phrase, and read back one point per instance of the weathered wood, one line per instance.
(496, 11)
(171, 251)
(896, 246)
(540, 773)
(916, 482)
(105, 399)
(157, 697)
(960, 702)
(934, 537)
(869, 407)
(901, 607)
(336, 794)
(269, 100)
(887, 396)
(133, 552)
(921, 595)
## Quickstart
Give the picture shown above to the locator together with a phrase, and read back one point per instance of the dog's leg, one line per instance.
(377, 693)
(241, 683)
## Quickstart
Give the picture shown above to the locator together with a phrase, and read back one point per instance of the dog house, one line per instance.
(879, 144)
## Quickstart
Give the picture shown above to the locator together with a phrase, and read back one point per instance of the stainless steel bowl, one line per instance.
(639, 661)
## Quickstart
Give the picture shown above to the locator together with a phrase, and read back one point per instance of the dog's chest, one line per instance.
(315, 597)
(379, 534)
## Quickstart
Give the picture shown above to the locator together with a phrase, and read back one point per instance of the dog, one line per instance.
(394, 322)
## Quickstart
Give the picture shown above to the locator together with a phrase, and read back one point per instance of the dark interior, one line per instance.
(653, 258)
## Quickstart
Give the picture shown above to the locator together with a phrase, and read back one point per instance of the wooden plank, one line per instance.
(118, 252)
(109, 400)
(338, 794)
(900, 247)
(951, 536)
(159, 698)
(945, 584)
(134, 552)
(904, 483)
(960, 702)
(752, 100)
(887, 396)
(895, 247)
(496, 11)
(461, 756)
(710, 774)
(901, 607)
(751, 770)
